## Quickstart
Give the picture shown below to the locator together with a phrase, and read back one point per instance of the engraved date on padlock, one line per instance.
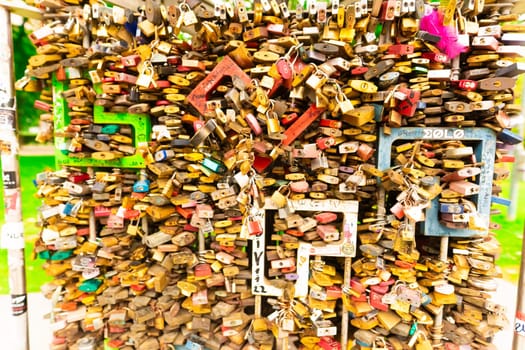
(223, 193)
(283, 263)
(228, 202)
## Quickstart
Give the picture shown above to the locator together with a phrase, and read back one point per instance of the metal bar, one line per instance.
(519, 320)
(20, 8)
(437, 328)
(516, 175)
(12, 236)
(258, 306)
(345, 319)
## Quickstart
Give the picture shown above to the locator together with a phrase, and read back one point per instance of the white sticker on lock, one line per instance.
(242, 179)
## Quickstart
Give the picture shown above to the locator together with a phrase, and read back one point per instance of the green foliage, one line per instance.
(511, 234)
(35, 275)
(23, 49)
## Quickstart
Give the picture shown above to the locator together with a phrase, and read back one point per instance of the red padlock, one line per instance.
(288, 119)
(162, 84)
(78, 177)
(325, 142)
(435, 57)
(407, 107)
(276, 85)
(328, 343)
(376, 301)
(359, 70)
(43, 106)
(254, 227)
(330, 123)
(401, 49)
(131, 214)
(294, 232)
(202, 271)
(198, 124)
(190, 228)
(357, 286)
(334, 292)
(289, 269)
(466, 84)
(83, 231)
(101, 211)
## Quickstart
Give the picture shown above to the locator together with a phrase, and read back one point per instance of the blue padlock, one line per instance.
(451, 208)
(110, 129)
(213, 165)
(68, 208)
(509, 137)
(142, 185)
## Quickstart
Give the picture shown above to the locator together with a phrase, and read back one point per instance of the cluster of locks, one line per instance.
(272, 178)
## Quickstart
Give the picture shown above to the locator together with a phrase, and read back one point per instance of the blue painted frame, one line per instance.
(484, 151)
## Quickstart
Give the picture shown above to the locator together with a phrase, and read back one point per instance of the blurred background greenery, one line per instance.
(27, 116)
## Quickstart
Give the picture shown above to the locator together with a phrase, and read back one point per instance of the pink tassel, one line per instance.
(433, 23)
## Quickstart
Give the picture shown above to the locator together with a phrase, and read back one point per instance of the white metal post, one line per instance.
(519, 320)
(12, 233)
(12, 236)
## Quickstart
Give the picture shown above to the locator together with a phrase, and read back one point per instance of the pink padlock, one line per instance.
(224, 258)
(204, 211)
(328, 233)
(253, 123)
(356, 285)
(365, 152)
(299, 186)
(325, 218)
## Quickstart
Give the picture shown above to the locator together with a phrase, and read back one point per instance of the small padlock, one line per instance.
(280, 196)
(134, 94)
(189, 17)
(133, 227)
(316, 80)
(145, 77)
(274, 126)
(344, 104)
(320, 162)
(254, 226)
(143, 184)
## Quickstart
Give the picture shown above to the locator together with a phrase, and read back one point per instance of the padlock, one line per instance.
(254, 226)
(275, 121)
(142, 185)
(279, 197)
